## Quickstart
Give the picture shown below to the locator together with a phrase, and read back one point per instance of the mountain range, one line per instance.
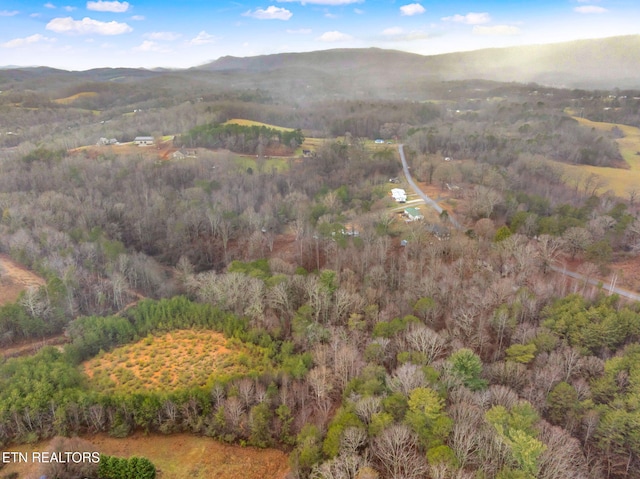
(376, 73)
(598, 63)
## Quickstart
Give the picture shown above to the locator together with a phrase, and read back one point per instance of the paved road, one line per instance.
(420, 193)
(596, 282)
(557, 269)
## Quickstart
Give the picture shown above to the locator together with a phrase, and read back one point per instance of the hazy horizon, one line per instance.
(144, 34)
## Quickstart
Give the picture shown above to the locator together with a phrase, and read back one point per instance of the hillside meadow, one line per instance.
(619, 180)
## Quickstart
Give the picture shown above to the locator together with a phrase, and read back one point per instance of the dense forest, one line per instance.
(460, 358)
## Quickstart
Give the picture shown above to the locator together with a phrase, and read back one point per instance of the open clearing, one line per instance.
(243, 122)
(262, 165)
(14, 279)
(70, 99)
(179, 456)
(176, 360)
(619, 180)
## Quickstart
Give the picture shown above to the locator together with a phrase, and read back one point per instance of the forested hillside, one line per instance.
(363, 344)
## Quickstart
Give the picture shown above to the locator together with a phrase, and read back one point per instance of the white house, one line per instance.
(399, 195)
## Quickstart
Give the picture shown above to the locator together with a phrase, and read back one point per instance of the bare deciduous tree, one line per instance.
(367, 406)
(426, 341)
(396, 450)
(406, 378)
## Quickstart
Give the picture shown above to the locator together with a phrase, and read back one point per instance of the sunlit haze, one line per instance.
(144, 33)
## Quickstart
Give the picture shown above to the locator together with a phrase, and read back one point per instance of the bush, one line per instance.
(120, 468)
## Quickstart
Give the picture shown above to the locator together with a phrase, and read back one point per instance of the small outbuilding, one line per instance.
(413, 214)
(143, 141)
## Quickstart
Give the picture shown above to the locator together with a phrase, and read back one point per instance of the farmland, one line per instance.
(180, 456)
(619, 180)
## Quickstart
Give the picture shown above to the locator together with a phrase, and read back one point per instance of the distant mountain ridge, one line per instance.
(370, 73)
(598, 63)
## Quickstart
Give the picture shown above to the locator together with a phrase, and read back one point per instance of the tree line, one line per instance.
(242, 138)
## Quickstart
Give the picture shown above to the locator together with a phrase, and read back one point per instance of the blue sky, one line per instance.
(182, 33)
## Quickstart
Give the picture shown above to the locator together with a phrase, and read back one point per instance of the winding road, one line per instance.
(598, 282)
(595, 282)
(420, 193)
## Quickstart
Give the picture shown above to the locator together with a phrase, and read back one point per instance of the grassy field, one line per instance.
(261, 166)
(243, 122)
(310, 144)
(179, 359)
(618, 180)
(179, 456)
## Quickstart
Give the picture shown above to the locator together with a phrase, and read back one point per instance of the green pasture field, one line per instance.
(619, 180)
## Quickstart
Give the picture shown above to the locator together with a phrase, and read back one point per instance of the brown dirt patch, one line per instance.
(284, 247)
(15, 278)
(181, 456)
(155, 152)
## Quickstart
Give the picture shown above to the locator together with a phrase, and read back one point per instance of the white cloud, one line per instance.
(164, 36)
(49, 5)
(590, 9)
(496, 30)
(138, 18)
(202, 38)
(149, 46)
(271, 13)
(392, 31)
(87, 26)
(8, 13)
(35, 15)
(471, 18)
(323, 2)
(334, 36)
(397, 34)
(330, 15)
(358, 11)
(300, 31)
(114, 7)
(69, 8)
(412, 9)
(30, 40)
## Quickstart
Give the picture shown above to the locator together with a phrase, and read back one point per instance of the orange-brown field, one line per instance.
(14, 279)
(179, 456)
(70, 99)
(175, 360)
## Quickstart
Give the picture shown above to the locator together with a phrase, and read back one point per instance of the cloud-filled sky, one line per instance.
(77, 35)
